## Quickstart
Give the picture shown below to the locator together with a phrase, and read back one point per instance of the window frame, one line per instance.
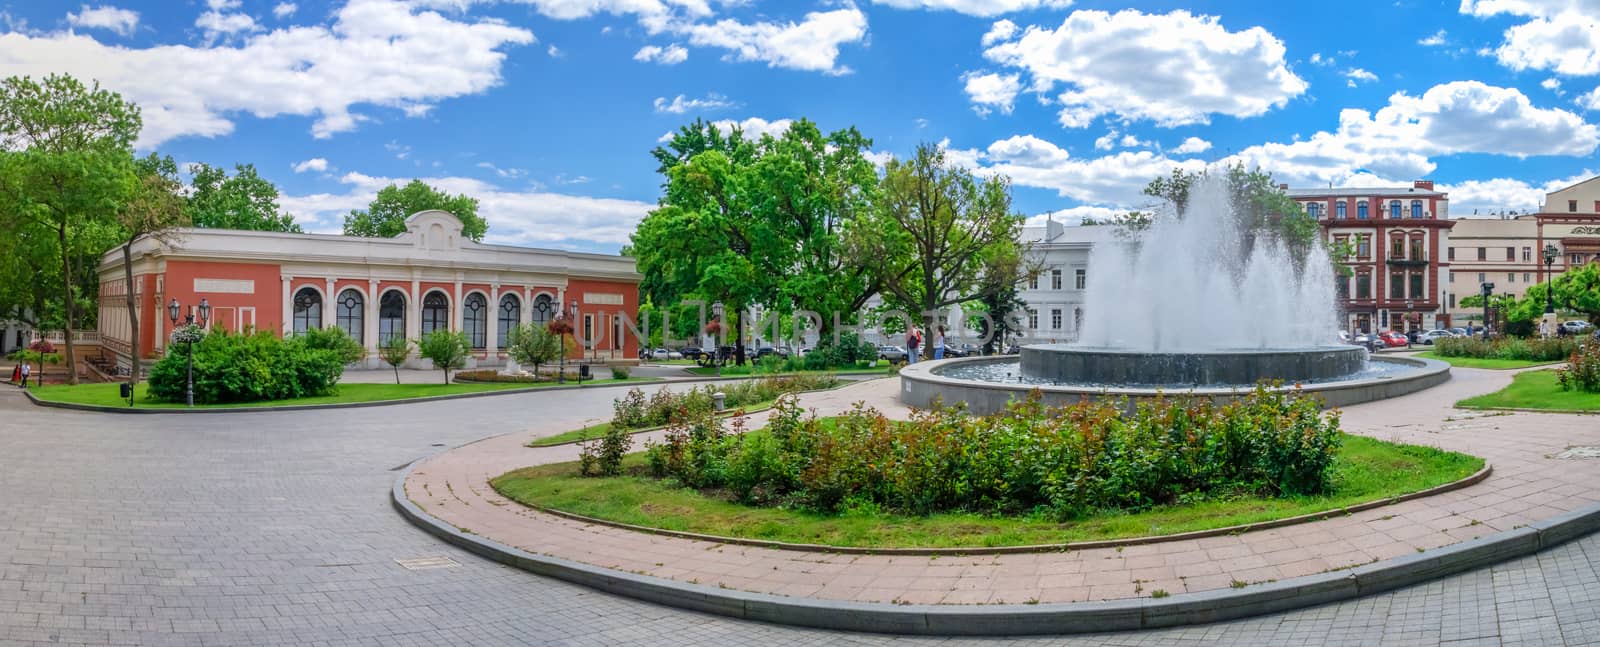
(354, 322)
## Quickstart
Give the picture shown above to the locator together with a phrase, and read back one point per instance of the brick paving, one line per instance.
(274, 528)
(1527, 485)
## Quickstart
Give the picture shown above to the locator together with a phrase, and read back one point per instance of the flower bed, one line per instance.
(1553, 349)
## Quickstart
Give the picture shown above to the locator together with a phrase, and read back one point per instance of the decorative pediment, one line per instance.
(433, 230)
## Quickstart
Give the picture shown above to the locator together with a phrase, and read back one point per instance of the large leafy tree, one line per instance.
(153, 209)
(386, 216)
(66, 164)
(244, 201)
(936, 233)
(1577, 289)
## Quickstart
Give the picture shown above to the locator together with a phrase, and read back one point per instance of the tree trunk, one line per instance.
(66, 284)
(133, 312)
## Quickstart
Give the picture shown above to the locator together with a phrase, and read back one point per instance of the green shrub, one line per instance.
(448, 350)
(1552, 349)
(633, 411)
(1582, 372)
(619, 372)
(1064, 462)
(231, 367)
(336, 340)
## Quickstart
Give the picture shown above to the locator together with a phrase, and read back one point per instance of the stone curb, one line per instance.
(357, 405)
(1024, 619)
(1469, 480)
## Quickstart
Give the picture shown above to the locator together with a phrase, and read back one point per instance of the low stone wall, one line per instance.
(921, 387)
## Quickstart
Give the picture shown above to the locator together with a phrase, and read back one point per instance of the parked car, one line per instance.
(892, 353)
(1428, 337)
(691, 352)
(662, 353)
(764, 351)
(1575, 327)
(1394, 339)
(1369, 341)
(963, 350)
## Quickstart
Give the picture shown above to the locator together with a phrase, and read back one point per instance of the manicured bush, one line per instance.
(845, 354)
(1553, 349)
(230, 367)
(619, 372)
(448, 350)
(337, 340)
(1582, 372)
(1062, 462)
(634, 411)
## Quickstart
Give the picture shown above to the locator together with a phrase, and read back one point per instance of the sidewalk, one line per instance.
(1528, 484)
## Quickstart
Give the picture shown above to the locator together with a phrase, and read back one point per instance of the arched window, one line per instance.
(391, 316)
(544, 309)
(510, 316)
(349, 312)
(1338, 210)
(307, 310)
(435, 312)
(1416, 208)
(1361, 210)
(475, 320)
(1314, 210)
(1394, 209)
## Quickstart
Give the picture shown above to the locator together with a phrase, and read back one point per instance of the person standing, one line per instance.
(938, 342)
(913, 340)
(26, 368)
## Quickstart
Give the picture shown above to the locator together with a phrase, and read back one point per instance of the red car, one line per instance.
(1392, 339)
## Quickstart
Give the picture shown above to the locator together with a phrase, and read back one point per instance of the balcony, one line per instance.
(1406, 262)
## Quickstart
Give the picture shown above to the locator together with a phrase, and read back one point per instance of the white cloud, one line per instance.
(284, 9)
(1001, 30)
(752, 128)
(809, 45)
(509, 173)
(1191, 146)
(670, 55)
(1501, 194)
(1107, 141)
(1356, 74)
(376, 52)
(681, 104)
(515, 217)
(1318, 59)
(555, 52)
(1173, 69)
(991, 91)
(1074, 215)
(314, 164)
(119, 21)
(1437, 39)
(223, 5)
(982, 8)
(216, 23)
(1590, 100)
(1562, 36)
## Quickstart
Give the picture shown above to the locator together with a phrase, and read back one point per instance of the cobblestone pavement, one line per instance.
(274, 528)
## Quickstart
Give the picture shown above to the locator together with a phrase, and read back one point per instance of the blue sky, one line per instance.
(546, 109)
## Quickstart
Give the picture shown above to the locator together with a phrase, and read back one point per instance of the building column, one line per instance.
(369, 322)
(288, 309)
(414, 314)
(527, 304)
(330, 308)
(456, 310)
(491, 339)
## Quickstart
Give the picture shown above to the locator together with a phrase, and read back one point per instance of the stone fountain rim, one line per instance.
(1223, 352)
(925, 372)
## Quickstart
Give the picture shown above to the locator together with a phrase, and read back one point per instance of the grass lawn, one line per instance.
(1367, 470)
(1474, 362)
(106, 394)
(741, 371)
(1535, 390)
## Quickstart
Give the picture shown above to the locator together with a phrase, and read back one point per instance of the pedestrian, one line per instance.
(26, 368)
(1544, 329)
(938, 342)
(913, 340)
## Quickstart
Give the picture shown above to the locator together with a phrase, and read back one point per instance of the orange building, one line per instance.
(374, 288)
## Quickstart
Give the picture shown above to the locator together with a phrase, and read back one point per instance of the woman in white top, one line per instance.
(938, 342)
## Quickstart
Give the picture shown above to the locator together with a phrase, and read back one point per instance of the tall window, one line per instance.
(1342, 286)
(475, 319)
(1055, 279)
(1527, 277)
(1416, 208)
(1077, 319)
(1361, 210)
(350, 313)
(1394, 209)
(1416, 249)
(1314, 210)
(1338, 210)
(1482, 278)
(1397, 285)
(510, 316)
(1511, 277)
(544, 309)
(1483, 255)
(391, 316)
(1511, 253)
(1080, 278)
(1452, 252)
(1527, 254)
(1452, 302)
(1572, 205)
(1363, 286)
(1055, 318)
(1416, 286)
(616, 332)
(435, 312)
(1397, 248)
(1033, 319)
(1033, 282)
(307, 310)
(1363, 246)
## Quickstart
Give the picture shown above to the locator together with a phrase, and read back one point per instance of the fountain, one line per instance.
(1196, 304)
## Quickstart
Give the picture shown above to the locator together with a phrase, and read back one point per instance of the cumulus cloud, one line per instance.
(1075, 215)
(669, 55)
(1172, 69)
(681, 104)
(375, 52)
(1001, 30)
(314, 164)
(515, 217)
(1501, 194)
(284, 9)
(982, 8)
(752, 128)
(1437, 39)
(809, 45)
(1562, 36)
(1356, 74)
(1192, 146)
(990, 91)
(116, 20)
(217, 24)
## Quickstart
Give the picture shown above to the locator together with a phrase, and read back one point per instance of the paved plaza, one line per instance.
(275, 528)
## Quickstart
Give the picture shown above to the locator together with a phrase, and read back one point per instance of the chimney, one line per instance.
(1425, 185)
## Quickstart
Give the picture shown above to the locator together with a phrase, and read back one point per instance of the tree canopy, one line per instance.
(244, 201)
(386, 216)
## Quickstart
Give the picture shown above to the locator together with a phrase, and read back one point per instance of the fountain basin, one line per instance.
(922, 384)
(1065, 363)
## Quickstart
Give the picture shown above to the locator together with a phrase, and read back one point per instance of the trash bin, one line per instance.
(126, 390)
(583, 371)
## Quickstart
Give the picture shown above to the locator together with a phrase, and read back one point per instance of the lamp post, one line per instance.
(573, 309)
(1488, 292)
(188, 320)
(1550, 253)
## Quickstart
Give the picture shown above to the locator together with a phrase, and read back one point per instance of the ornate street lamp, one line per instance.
(716, 314)
(188, 337)
(1488, 291)
(573, 309)
(1550, 253)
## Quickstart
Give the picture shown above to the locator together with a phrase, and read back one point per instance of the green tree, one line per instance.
(937, 233)
(395, 352)
(997, 294)
(532, 344)
(386, 216)
(1577, 289)
(245, 201)
(448, 350)
(154, 210)
(66, 163)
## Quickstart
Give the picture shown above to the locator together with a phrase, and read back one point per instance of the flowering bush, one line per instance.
(634, 411)
(1065, 462)
(1582, 372)
(1552, 349)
